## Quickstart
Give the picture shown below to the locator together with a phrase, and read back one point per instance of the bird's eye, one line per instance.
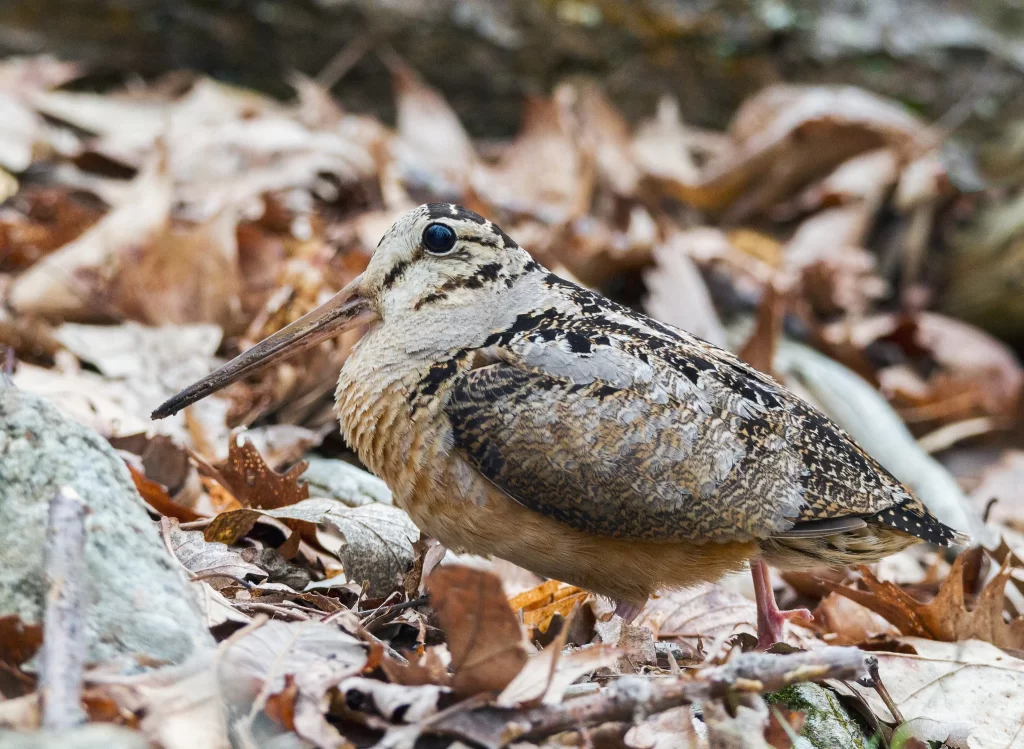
(439, 239)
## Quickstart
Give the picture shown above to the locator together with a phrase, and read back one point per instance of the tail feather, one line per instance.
(913, 518)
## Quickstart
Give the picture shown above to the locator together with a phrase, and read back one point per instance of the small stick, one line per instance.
(62, 660)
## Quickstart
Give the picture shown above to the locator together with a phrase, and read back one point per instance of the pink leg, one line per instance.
(769, 618)
(628, 611)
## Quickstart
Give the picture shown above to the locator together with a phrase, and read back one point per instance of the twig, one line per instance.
(62, 660)
(883, 693)
(273, 609)
(631, 698)
(344, 60)
(385, 615)
(9, 359)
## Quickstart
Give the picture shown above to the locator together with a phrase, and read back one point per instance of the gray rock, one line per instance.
(138, 599)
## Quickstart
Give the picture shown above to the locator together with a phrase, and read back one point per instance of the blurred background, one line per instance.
(831, 189)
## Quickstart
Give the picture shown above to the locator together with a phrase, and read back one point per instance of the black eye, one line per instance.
(438, 239)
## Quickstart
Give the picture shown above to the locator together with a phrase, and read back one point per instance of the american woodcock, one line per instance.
(516, 414)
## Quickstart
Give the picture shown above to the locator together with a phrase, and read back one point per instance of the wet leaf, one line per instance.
(483, 633)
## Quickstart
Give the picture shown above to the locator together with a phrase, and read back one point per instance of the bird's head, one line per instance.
(439, 266)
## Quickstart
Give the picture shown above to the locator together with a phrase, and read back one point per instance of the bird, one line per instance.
(518, 415)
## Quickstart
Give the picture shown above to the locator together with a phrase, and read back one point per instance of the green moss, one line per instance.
(828, 724)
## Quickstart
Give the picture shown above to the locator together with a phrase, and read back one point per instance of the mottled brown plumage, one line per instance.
(517, 414)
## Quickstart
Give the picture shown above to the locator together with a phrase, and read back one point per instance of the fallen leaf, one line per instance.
(255, 484)
(180, 707)
(547, 674)
(946, 617)
(201, 557)
(38, 221)
(707, 612)
(74, 282)
(678, 295)
(318, 657)
(846, 622)
(970, 682)
(18, 641)
(184, 275)
(483, 633)
(396, 703)
(663, 147)
(156, 496)
(375, 543)
(542, 174)
(539, 604)
(604, 134)
(432, 149)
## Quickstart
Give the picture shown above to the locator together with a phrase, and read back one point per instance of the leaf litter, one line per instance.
(219, 216)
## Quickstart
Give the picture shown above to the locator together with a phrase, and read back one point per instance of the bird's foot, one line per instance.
(769, 617)
(628, 611)
(769, 624)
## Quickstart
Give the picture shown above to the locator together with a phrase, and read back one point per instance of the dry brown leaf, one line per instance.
(663, 147)
(200, 557)
(483, 634)
(788, 135)
(38, 221)
(156, 496)
(74, 282)
(432, 150)
(953, 370)
(946, 617)
(183, 275)
(672, 729)
(759, 349)
(1003, 481)
(542, 602)
(542, 174)
(866, 177)
(428, 668)
(317, 656)
(604, 134)
(257, 485)
(846, 622)
(678, 295)
(18, 643)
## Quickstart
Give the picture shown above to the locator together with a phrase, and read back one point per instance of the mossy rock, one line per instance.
(829, 725)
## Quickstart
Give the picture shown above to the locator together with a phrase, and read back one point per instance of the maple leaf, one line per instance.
(946, 617)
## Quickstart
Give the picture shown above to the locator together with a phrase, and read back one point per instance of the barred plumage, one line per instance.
(515, 413)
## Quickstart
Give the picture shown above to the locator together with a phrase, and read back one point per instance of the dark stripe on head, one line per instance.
(451, 210)
(394, 274)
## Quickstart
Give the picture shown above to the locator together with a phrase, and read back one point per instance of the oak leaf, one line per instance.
(946, 617)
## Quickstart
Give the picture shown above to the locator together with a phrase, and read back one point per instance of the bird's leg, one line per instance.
(628, 611)
(769, 617)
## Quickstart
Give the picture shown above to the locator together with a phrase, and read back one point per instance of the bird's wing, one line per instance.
(650, 433)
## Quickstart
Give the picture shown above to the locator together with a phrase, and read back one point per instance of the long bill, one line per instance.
(345, 310)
